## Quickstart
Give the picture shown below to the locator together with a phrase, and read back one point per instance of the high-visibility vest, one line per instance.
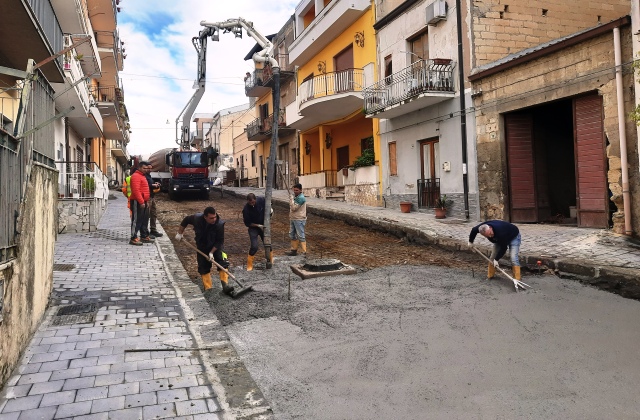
(127, 185)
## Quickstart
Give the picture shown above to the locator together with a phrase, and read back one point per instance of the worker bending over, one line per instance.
(209, 230)
(502, 235)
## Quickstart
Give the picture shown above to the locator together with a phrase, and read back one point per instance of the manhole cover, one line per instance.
(75, 314)
(322, 264)
(63, 267)
(77, 309)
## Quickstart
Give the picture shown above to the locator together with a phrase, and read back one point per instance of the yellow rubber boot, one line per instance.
(491, 271)
(206, 281)
(224, 280)
(249, 262)
(294, 248)
(516, 272)
(304, 247)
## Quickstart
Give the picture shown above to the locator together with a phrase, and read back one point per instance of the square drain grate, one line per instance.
(63, 267)
(75, 314)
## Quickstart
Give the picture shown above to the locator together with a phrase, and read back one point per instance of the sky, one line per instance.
(161, 63)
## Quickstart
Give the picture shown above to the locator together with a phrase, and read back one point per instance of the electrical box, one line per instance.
(446, 166)
(436, 12)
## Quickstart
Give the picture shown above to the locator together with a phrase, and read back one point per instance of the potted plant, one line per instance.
(441, 205)
(88, 184)
(367, 158)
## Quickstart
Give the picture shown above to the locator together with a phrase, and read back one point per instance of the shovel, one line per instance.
(516, 283)
(235, 293)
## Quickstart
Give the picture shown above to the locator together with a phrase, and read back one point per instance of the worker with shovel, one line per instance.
(209, 230)
(502, 235)
(253, 217)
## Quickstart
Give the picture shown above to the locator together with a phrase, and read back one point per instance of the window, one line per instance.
(253, 158)
(388, 66)
(294, 156)
(419, 47)
(393, 163)
(366, 143)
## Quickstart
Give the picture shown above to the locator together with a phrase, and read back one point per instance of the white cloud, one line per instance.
(161, 61)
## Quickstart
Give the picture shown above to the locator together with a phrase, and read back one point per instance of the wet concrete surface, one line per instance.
(415, 342)
(407, 341)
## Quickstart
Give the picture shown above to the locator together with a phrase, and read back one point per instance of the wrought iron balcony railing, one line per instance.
(350, 80)
(423, 76)
(253, 80)
(265, 125)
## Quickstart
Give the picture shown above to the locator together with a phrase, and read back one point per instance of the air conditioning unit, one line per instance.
(436, 12)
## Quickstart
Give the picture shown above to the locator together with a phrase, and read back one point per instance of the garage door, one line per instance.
(522, 190)
(592, 200)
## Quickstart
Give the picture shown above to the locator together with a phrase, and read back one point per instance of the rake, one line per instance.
(516, 283)
(235, 293)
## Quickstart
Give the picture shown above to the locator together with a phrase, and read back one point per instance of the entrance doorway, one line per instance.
(556, 163)
(429, 182)
(342, 157)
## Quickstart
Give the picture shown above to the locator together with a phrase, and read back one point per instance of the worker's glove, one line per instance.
(495, 264)
(211, 256)
(271, 212)
(470, 245)
(178, 236)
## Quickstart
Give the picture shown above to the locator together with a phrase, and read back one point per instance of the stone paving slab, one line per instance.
(94, 370)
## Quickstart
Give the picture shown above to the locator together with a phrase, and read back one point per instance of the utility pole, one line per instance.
(271, 164)
(463, 112)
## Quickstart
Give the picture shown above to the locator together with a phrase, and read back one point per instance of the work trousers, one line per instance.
(204, 265)
(139, 220)
(296, 230)
(153, 215)
(254, 234)
(514, 248)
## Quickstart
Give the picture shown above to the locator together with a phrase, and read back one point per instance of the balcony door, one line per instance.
(343, 64)
(429, 172)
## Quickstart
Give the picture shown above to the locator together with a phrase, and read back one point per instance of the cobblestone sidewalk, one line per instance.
(128, 362)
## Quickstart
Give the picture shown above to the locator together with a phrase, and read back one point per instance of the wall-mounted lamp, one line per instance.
(359, 39)
(327, 140)
(322, 67)
(307, 148)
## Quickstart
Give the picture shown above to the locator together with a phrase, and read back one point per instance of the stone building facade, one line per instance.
(537, 95)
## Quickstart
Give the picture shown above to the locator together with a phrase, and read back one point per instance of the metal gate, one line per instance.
(520, 158)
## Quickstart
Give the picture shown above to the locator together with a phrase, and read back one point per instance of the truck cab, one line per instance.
(189, 172)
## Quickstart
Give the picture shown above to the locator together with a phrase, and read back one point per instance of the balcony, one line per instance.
(111, 54)
(422, 84)
(331, 20)
(30, 30)
(254, 86)
(329, 96)
(119, 150)
(81, 180)
(286, 71)
(104, 14)
(262, 128)
(111, 106)
(74, 19)
(85, 118)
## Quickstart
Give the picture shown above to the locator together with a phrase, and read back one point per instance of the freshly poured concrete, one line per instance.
(429, 343)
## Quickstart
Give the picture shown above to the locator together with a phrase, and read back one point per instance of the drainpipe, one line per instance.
(463, 113)
(626, 198)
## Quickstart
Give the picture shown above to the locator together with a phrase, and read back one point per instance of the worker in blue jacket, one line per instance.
(502, 235)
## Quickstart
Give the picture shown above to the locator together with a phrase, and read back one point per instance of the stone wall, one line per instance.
(503, 27)
(583, 68)
(363, 194)
(28, 280)
(80, 215)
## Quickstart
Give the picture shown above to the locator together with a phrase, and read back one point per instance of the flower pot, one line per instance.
(345, 171)
(440, 213)
(405, 206)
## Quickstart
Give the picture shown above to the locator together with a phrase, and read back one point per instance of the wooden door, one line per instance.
(343, 75)
(342, 156)
(592, 201)
(521, 167)
(429, 172)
